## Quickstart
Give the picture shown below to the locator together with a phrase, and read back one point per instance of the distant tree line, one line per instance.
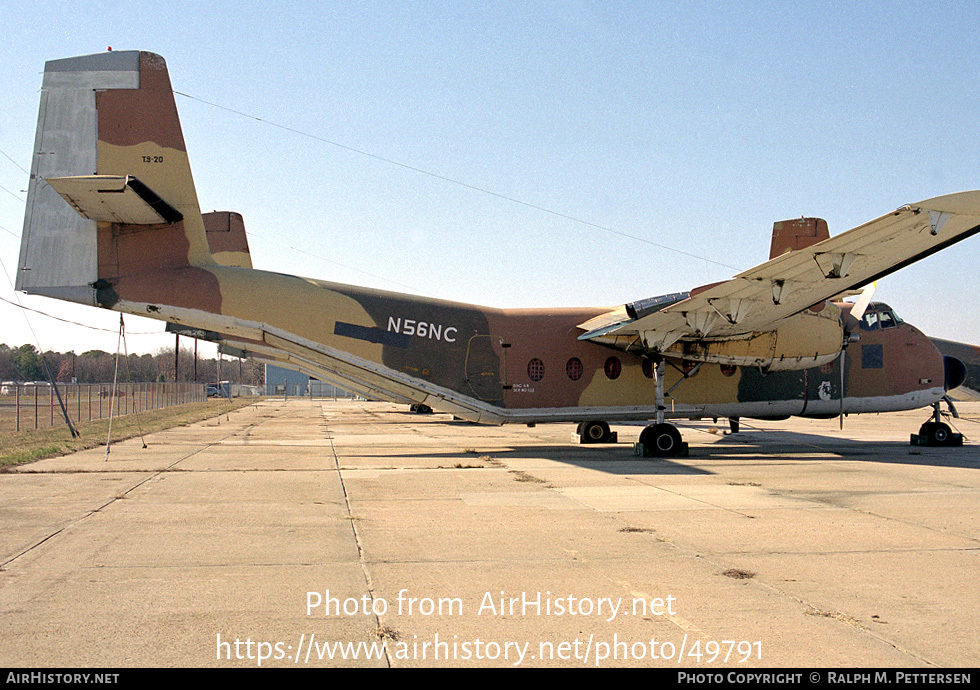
(25, 363)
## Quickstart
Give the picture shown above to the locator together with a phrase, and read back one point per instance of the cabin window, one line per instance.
(613, 368)
(886, 319)
(647, 367)
(728, 369)
(535, 369)
(574, 368)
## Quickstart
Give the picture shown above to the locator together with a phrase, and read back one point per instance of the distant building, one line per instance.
(281, 381)
(285, 381)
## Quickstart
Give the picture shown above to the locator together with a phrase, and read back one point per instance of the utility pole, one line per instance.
(177, 358)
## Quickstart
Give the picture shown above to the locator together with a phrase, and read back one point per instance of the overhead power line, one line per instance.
(454, 181)
(74, 323)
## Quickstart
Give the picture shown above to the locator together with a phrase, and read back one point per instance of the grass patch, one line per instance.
(385, 632)
(520, 476)
(836, 615)
(17, 448)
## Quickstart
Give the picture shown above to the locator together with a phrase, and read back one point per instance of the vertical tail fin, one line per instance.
(109, 144)
(227, 239)
(799, 233)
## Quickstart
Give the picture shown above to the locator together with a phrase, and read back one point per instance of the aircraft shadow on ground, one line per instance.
(796, 445)
(613, 458)
(750, 443)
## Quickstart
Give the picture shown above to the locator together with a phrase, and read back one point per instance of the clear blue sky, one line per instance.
(685, 124)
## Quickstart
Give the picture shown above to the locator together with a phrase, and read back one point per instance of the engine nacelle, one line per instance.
(804, 340)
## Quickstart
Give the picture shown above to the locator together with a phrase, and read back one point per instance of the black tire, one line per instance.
(662, 440)
(594, 432)
(936, 433)
(941, 434)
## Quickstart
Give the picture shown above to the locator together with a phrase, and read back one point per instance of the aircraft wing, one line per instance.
(758, 299)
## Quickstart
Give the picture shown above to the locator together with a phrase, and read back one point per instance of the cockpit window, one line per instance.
(879, 317)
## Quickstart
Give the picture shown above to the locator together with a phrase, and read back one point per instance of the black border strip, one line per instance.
(372, 334)
(166, 211)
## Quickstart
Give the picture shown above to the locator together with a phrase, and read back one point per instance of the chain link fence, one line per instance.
(26, 406)
(313, 389)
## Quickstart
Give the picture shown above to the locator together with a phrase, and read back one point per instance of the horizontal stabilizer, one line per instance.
(114, 199)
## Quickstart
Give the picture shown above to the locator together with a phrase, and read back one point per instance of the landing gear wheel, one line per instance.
(936, 433)
(593, 432)
(662, 440)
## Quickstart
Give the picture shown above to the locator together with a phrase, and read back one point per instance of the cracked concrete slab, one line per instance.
(308, 533)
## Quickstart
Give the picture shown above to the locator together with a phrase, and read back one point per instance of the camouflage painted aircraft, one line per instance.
(113, 220)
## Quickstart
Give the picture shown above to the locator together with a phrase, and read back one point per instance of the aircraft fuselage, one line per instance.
(525, 365)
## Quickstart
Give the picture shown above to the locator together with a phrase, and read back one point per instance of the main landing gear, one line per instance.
(660, 440)
(595, 432)
(657, 440)
(936, 433)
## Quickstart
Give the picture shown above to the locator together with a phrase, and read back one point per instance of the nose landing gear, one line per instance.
(935, 432)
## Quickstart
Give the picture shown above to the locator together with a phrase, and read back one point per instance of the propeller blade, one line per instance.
(863, 300)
